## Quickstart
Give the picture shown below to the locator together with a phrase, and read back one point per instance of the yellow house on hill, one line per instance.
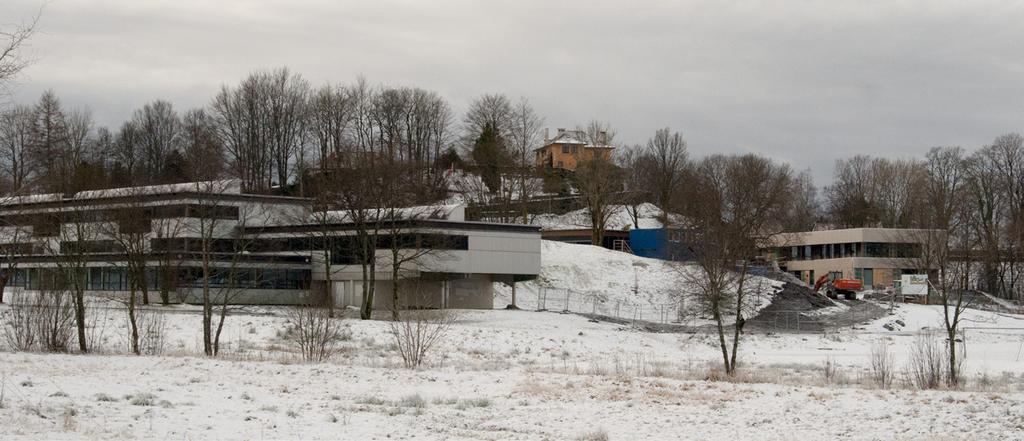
(567, 149)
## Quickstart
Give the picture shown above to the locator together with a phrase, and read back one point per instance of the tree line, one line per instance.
(977, 196)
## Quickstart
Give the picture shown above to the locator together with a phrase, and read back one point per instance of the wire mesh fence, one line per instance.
(689, 316)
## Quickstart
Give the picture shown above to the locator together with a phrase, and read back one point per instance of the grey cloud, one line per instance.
(804, 82)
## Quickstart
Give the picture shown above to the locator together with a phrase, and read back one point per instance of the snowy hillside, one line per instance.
(595, 279)
(647, 217)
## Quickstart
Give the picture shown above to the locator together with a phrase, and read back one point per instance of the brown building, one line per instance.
(567, 149)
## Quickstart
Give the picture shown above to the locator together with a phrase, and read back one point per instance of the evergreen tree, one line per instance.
(489, 154)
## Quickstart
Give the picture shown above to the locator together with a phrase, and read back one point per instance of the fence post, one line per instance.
(567, 300)
(618, 303)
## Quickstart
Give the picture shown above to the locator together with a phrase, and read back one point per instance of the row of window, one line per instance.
(117, 279)
(855, 249)
(338, 244)
(129, 220)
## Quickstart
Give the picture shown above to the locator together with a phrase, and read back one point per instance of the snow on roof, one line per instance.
(30, 198)
(227, 186)
(454, 212)
(569, 137)
(573, 137)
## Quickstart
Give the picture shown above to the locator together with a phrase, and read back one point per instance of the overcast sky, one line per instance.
(802, 81)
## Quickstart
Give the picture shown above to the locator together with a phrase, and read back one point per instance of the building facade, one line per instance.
(875, 256)
(567, 149)
(251, 249)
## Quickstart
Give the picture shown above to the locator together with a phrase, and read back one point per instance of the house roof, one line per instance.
(576, 137)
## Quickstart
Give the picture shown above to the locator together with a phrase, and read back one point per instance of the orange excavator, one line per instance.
(834, 286)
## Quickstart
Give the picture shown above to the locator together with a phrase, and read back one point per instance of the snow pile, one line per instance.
(594, 279)
(648, 216)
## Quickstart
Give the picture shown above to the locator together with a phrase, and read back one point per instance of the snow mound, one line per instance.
(592, 279)
(648, 216)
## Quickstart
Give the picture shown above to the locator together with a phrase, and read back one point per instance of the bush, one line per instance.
(882, 371)
(20, 325)
(412, 401)
(830, 371)
(142, 399)
(925, 367)
(151, 324)
(43, 321)
(314, 332)
(102, 397)
(416, 332)
(597, 435)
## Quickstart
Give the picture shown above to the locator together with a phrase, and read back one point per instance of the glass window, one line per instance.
(877, 249)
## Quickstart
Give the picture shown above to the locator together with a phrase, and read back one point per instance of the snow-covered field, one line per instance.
(510, 375)
(506, 374)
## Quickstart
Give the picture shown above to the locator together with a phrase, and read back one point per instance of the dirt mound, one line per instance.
(797, 297)
(786, 312)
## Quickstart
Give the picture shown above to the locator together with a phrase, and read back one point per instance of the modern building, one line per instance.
(876, 256)
(567, 149)
(254, 249)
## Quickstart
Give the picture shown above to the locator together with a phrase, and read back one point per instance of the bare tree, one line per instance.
(363, 207)
(598, 133)
(734, 205)
(159, 130)
(874, 192)
(13, 58)
(524, 136)
(71, 240)
(1006, 158)
(489, 109)
(637, 168)
(129, 231)
(15, 240)
(946, 220)
(261, 124)
(669, 161)
(988, 206)
(331, 110)
(222, 245)
(204, 153)
(598, 182)
(16, 147)
(805, 209)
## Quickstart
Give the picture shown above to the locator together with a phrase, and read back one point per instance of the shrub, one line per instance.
(925, 367)
(882, 370)
(102, 397)
(43, 321)
(142, 399)
(151, 324)
(416, 332)
(314, 332)
(412, 401)
(597, 435)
